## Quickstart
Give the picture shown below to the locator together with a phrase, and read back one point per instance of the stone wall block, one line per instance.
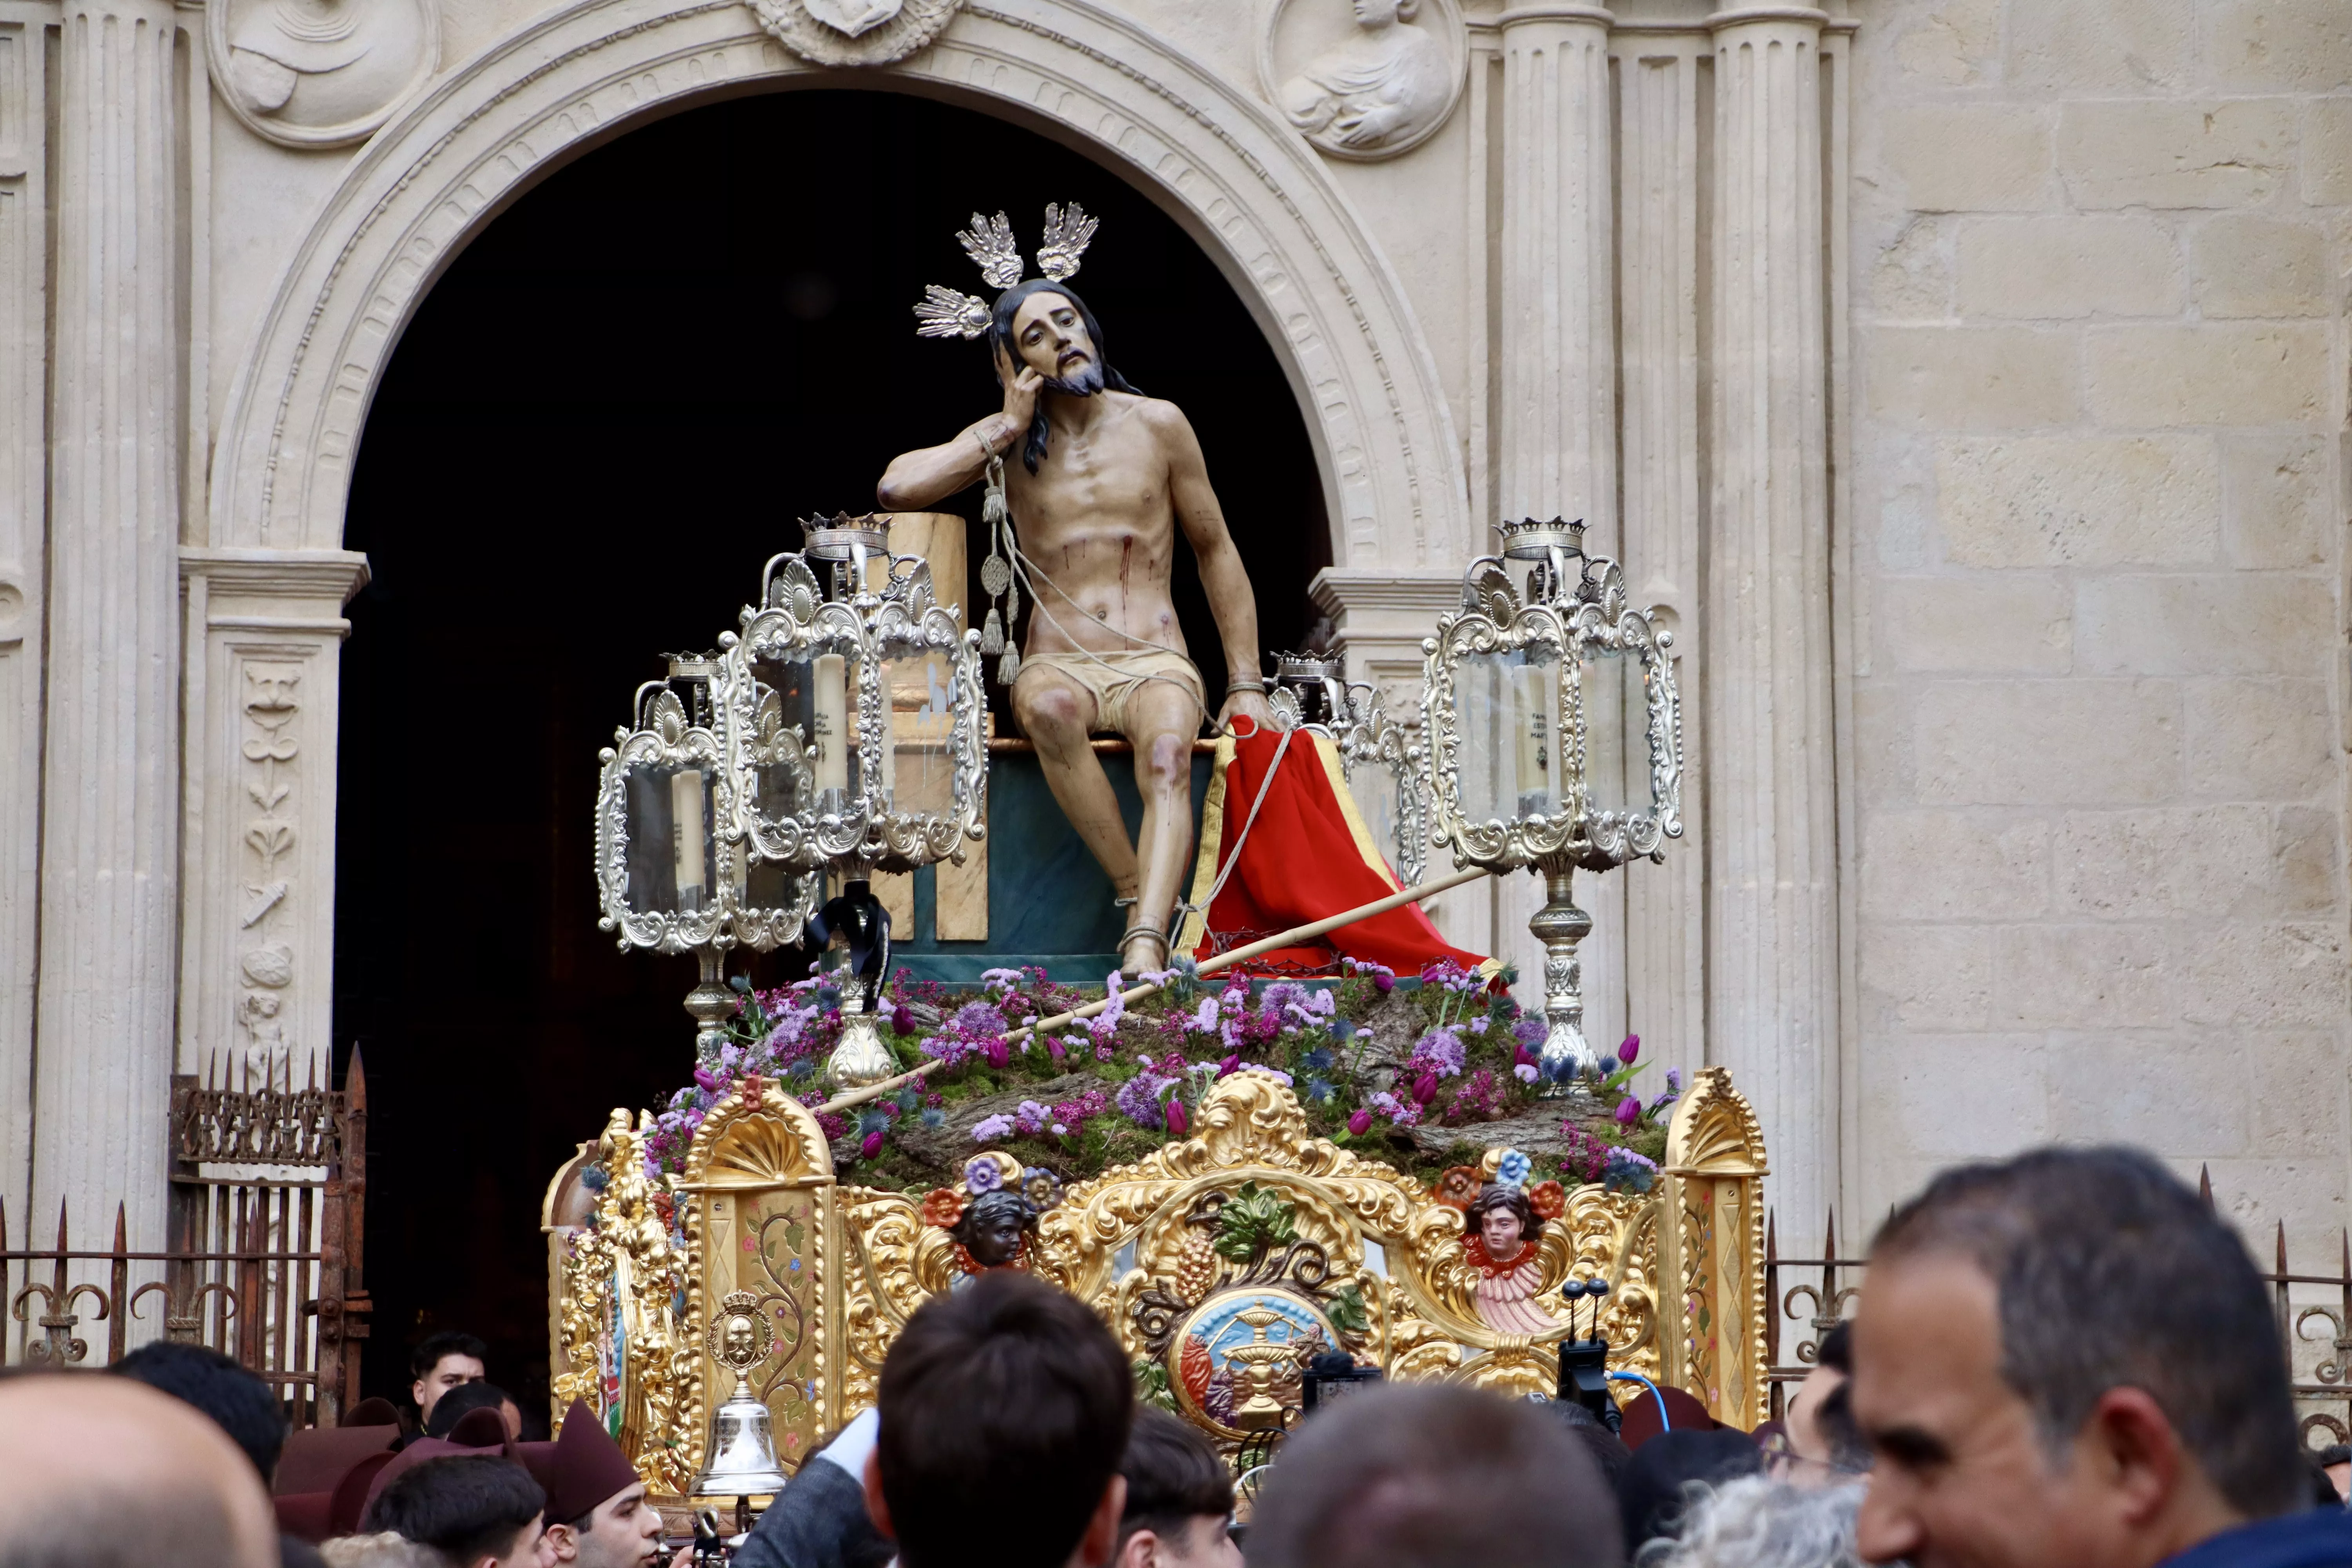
(1957, 44)
(1911, 276)
(2207, 623)
(2063, 49)
(2280, 46)
(2074, 976)
(2249, 265)
(1885, 759)
(2306, 862)
(1928, 976)
(2217, 862)
(2075, 500)
(2257, 738)
(2327, 151)
(2301, 1099)
(2274, 505)
(1960, 1097)
(2015, 624)
(2048, 743)
(1973, 378)
(2161, 1092)
(1969, 157)
(2121, 153)
(2043, 268)
(2244, 973)
(1948, 865)
(2219, 372)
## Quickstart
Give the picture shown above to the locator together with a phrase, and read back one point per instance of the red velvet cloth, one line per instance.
(1302, 862)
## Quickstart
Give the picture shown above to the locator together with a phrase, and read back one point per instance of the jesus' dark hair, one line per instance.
(999, 336)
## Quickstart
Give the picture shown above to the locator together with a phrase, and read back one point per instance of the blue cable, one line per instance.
(1665, 1422)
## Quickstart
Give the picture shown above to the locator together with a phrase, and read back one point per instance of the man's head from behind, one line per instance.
(1004, 1410)
(440, 1364)
(240, 1403)
(1434, 1476)
(103, 1472)
(477, 1513)
(2067, 1359)
(1180, 1498)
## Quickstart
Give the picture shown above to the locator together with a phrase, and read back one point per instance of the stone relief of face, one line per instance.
(742, 1342)
(1498, 1228)
(1378, 13)
(1053, 340)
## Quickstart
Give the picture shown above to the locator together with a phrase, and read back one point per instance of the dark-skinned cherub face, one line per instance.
(992, 1228)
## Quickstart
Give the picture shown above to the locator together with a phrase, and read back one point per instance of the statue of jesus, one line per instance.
(1105, 478)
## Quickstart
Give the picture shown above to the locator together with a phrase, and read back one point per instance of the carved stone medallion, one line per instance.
(854, 32)
(1364, 80)
(319, 73)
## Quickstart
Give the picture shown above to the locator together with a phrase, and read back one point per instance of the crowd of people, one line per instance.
(2065, 1360)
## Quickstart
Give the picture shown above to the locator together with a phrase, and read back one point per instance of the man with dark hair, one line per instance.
(1434, 1476)
(467, 1397)
(2067, 1359)
(440, 1364)
(1821, 1445)
(105, 1472)
(596, 1508)
(1180, 1498)
(240, 1403)
(477, 1512)
(1004, 1410)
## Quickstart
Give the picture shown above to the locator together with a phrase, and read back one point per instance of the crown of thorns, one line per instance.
(951, 313)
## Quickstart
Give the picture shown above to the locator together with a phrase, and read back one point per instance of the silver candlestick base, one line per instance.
(1559, 925)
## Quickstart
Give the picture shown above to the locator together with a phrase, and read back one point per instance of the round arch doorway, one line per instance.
(606, 415)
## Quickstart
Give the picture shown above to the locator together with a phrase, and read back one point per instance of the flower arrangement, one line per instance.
(1407, 1071)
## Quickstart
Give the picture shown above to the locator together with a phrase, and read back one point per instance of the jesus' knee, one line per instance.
(1167, 762)
(1052, 714)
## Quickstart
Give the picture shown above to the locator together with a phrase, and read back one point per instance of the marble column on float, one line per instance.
(110, 767)
(1772, 996)
(1556, 371)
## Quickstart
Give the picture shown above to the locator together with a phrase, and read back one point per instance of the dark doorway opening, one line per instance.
(605, 417)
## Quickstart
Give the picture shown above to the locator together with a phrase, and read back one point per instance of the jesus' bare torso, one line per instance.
(1097, 522)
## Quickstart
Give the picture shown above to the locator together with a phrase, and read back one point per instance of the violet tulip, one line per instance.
(1425, 1090)
(711, 1082)
(873, 1144)
(1360, 1123)
(1630, 1049)
(1176, 1119)
(1629, 1110)
(997, 1052)
(1383, 982)
(901, 1021)
(1231, 1064)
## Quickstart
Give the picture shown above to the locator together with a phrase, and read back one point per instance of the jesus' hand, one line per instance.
(1021, 389)
(1244, 704)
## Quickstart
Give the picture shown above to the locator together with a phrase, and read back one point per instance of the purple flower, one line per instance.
(1053, 1048)
(1630, 1048)
(1525, 1072)
(1440, 1052)
(1360, 1123)
(902, 1022)
(1673, 1080)
(997, 1052)
(1384, 982)
(1425, 1090)
(1529, 1030)
(991, 1129)
(873, 1144)
(1231, 1064)
(1176, 1119)
(711, 1082)
(982, 1175)
(1629, 1110)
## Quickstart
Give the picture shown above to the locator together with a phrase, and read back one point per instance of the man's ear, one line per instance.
(1140, 1550)
(564, 1541)
(878, 1507)
(1101, 1538)
(2136, 1453)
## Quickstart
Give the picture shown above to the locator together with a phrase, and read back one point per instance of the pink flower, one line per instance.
(873, 1144)
(997, 1052)
(1630, 1048)
(1427, 1090)
(1176, 1122)
(1231, 1064)
(1383, 982)
(1053, 1049)
(1360, 1123)
(1629, 1110)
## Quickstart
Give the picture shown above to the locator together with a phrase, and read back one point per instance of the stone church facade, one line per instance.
(1966, 379)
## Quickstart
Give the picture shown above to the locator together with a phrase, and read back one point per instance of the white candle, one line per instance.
(687, 834)
(1533, 717)
(828, 689)
(889, 746)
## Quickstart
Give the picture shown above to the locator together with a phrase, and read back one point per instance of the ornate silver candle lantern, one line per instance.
(852, 718)
(1555, 740)
(670, 874)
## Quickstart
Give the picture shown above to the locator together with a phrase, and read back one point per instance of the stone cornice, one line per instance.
(278, 574)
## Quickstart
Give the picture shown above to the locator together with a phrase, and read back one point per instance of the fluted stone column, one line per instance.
(1557, 386)
(109, 854)
(1771, 822)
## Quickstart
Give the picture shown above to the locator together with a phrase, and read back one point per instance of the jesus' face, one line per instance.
(1498, 1228)
(1052, 339)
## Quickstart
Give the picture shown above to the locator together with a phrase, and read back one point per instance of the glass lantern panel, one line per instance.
(918, 770)
(768, 885)
(785, 778)
(670, 849)
(1616, 731)
(1506, 711)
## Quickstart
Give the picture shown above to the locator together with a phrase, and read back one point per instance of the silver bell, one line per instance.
(743, 1435)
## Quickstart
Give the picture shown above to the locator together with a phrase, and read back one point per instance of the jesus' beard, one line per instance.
(1087, 382)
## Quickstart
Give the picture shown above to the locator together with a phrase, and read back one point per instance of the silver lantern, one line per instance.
(1555, 740)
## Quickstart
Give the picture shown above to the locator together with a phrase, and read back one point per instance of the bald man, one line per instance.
(103, 1472)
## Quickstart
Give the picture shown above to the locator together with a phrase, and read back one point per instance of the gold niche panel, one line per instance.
(1221, 1261)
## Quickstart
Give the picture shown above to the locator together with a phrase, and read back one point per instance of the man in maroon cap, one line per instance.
(596, 1508)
